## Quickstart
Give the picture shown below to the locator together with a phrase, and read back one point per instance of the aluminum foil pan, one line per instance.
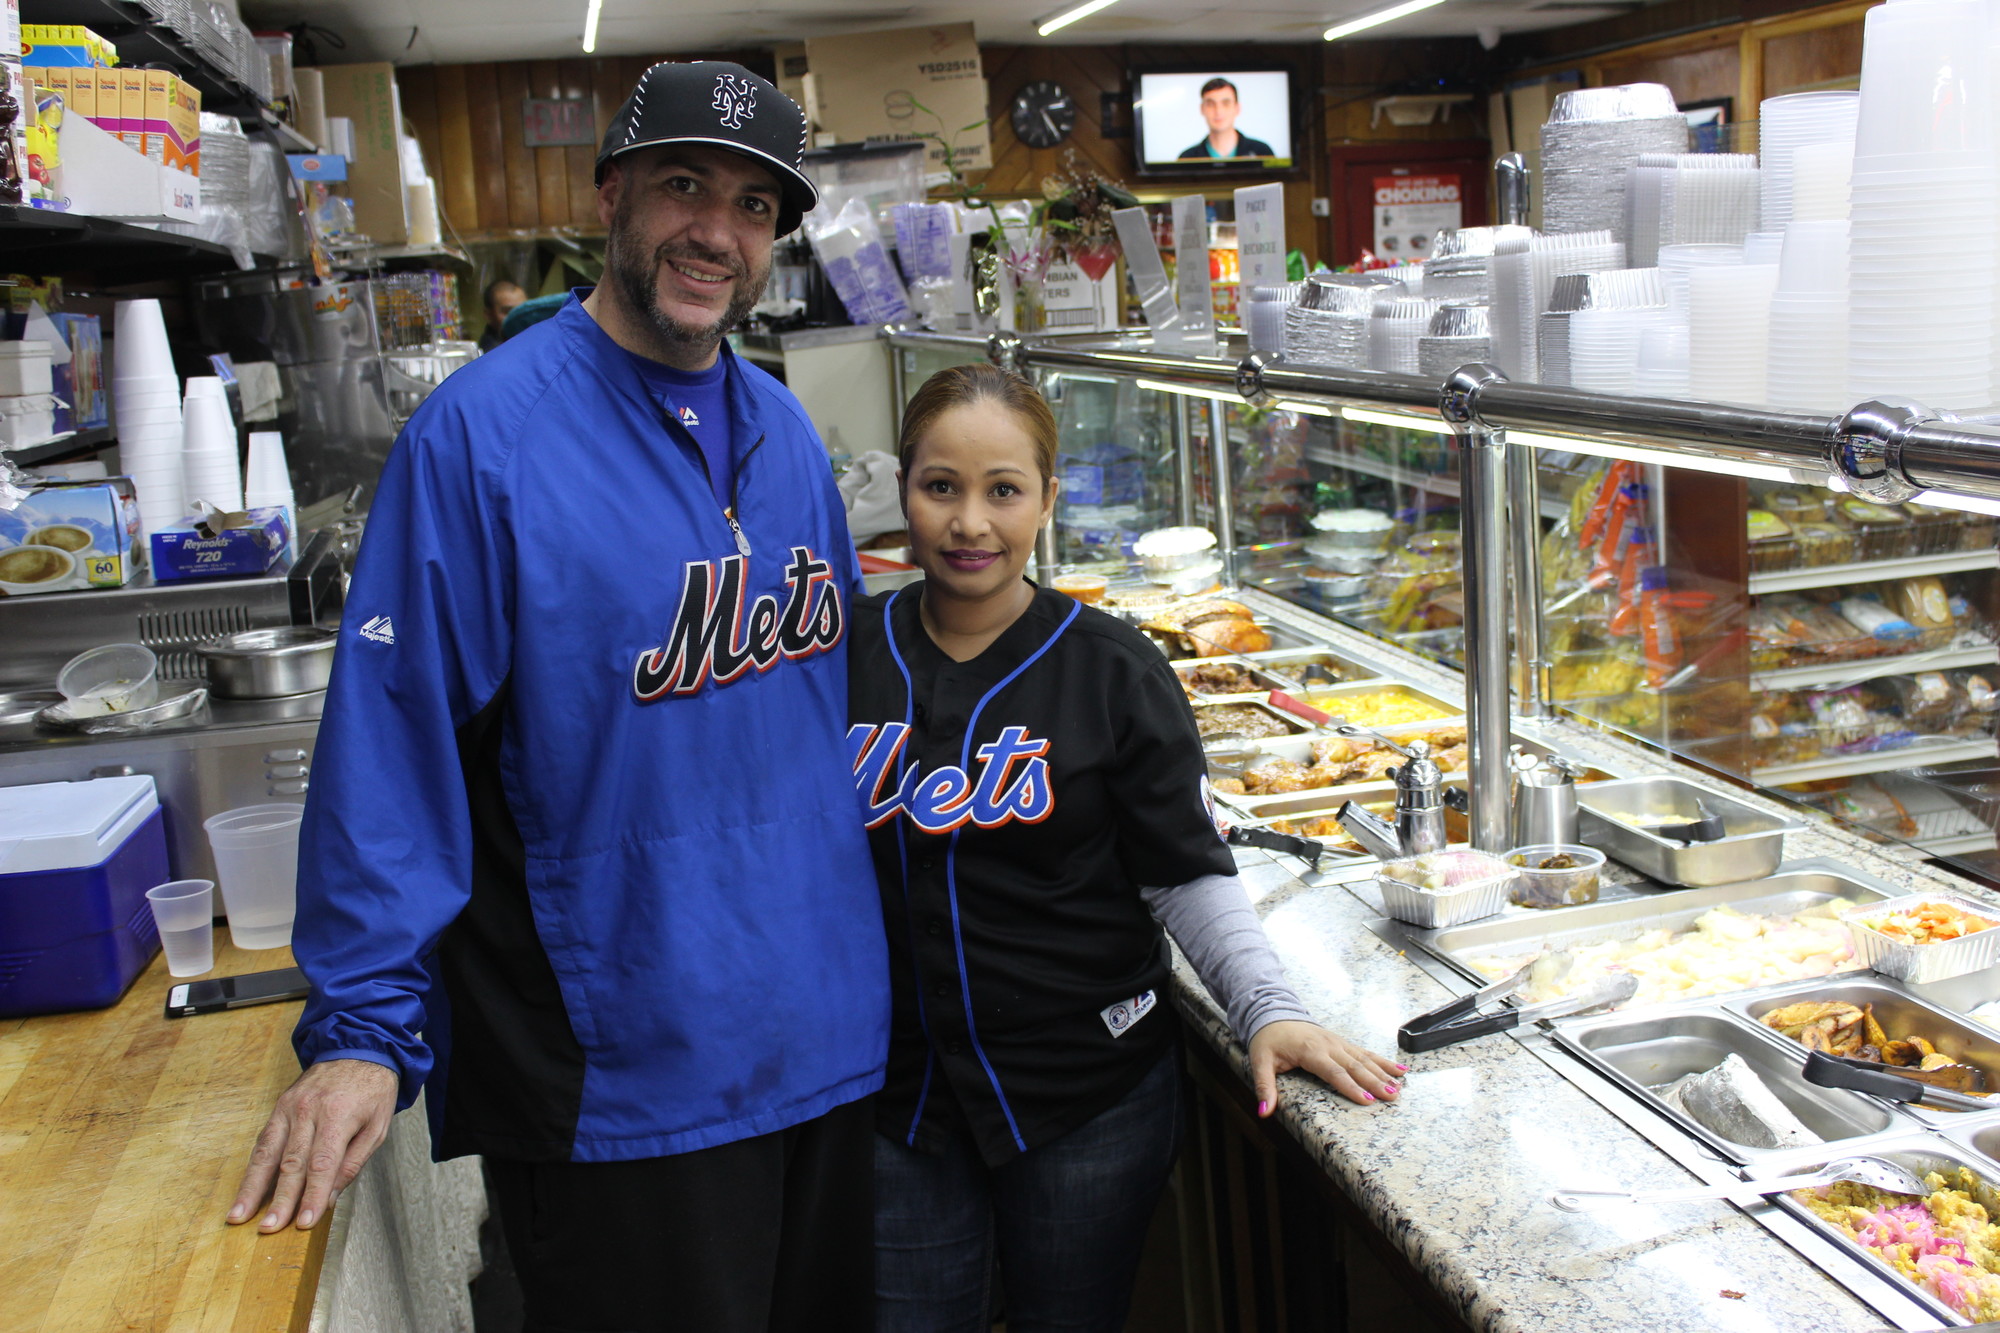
(179, 708)
(1919, 963)
(1459, 319)
(1458, 245)
(1451, 907)
(1437, 358)
(1625, 101)
(1616, 289)
(1345, 293)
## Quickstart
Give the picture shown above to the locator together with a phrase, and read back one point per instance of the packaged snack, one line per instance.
(1926, 699)
(1922, 602)
(1797, 506)
(1771, 543)
(1881, 532)
(1877, 620)
(1821, 543)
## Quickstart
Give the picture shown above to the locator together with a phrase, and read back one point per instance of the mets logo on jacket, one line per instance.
(716, 636)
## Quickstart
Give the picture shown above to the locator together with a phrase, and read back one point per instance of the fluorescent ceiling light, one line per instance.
(590, 26)
(1069, 16)
(1398, 419)
(1219, 395)
(1971, 504)
(1380, 16)
(1664, 457)
(1310, 409)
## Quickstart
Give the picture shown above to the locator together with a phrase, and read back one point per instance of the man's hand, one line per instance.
(1355, 1073)
(319, 1136)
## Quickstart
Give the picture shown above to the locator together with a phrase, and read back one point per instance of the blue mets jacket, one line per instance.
(582, 848)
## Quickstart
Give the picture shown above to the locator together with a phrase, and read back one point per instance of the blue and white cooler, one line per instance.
(76, 859)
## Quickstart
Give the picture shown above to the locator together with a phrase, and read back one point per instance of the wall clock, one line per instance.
(1043, 114)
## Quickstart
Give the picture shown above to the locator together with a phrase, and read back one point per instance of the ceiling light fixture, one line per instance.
(590, 26)
(1069, 16)
(1380, 16)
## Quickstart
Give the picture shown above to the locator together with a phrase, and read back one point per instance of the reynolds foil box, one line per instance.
(220, 546)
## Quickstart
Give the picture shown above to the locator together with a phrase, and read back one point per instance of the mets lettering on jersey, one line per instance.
(715, 637)
(944, 798)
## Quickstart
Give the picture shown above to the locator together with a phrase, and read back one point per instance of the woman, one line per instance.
(1035, 795)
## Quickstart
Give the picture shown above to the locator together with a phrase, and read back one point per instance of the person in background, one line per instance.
(501, 297)
(580, 858)
(1036, 798)
(1220, 108)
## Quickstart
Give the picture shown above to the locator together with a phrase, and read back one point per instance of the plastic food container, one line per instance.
(1919, 963)
(117, 678)
(1166, 552)
(1086, 588)
(1471, 885)
(1352, 529)
(1535, 886)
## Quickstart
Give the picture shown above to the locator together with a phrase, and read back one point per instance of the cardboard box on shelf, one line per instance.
(66, 44)
(366, 95)
(868, 85)
(69, 536)
(173, 122)
(102, 177)
(309, 105)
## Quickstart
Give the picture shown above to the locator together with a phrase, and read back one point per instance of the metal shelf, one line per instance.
(63, 448)
(1874, 571)
(1961, 654)
(41, 240)
(1881, 761)
(143, 40)
(1403, 476)
(1960, 844)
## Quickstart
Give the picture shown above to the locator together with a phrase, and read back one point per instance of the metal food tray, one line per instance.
(1901, 1014)
(1298, 749)
(1795, 888)
(1275, 661)
(1326, 698)
(1378, 796)
(1645, 1049)
(1919, 1153)
(1752, 850)
(1265, 679)
(1293, 726)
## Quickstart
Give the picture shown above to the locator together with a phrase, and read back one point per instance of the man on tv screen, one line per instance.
(1220, 108)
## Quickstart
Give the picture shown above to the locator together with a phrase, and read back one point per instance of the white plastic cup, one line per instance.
(139, 340)
(257, 865)
(184, 911)
(267, 473)
(211, 475)
(207, 386)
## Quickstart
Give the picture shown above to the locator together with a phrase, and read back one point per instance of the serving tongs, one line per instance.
(1450, 1024)
(1309, 850)
(1901, 1083)
(1706, 827)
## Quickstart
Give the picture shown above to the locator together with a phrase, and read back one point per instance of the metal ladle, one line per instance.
(1876, 1172)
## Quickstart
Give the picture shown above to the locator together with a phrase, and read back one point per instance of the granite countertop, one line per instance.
(1455, 1172)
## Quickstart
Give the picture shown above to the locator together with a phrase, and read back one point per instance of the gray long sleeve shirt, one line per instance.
(1212, 921)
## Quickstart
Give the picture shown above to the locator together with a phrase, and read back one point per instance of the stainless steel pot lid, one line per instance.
(288, 641)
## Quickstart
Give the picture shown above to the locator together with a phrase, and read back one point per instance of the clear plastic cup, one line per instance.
(184, 910)
(117, 678)
(257, 864)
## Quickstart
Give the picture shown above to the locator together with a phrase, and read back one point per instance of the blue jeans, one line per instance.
(1069, 1219)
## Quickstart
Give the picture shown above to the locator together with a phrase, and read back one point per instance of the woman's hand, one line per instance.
(1355, 1073)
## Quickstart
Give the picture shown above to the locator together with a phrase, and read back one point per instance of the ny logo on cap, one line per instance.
(736, 99)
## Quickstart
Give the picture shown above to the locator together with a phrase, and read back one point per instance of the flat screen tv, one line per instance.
(1217, 120)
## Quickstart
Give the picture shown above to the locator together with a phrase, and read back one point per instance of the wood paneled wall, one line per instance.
(469, 119)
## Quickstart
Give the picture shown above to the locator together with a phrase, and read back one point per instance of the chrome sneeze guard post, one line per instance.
(1225, 490)
(1482, 517)
(1533, 694)
(1183, 460)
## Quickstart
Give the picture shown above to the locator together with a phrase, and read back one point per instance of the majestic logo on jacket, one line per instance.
(944, 798)
(716, 637)
(736, 99)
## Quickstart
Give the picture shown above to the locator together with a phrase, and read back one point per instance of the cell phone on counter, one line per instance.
(219, 993)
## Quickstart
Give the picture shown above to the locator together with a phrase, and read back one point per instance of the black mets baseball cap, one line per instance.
(724, 105)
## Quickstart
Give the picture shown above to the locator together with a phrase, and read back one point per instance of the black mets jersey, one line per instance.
(1016, 804)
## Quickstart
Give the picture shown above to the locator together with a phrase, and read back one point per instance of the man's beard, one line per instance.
(638, 280)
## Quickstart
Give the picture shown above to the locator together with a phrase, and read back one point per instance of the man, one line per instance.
(501, 297)
(1220, 108)
(582, 854)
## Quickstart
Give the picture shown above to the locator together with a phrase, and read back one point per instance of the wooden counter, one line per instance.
(122, 1138)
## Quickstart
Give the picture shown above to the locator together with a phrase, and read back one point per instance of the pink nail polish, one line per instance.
(1402, 1069)
(1367, 1096)
(1263, 1109)
(1388, 1089)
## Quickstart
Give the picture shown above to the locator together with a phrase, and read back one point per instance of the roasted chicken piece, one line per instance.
(1174, 619)
(1276, 777)
(1337, 752)
(1213, 637)
(1229, 787)
(1372, 767)
(1821, 1025)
